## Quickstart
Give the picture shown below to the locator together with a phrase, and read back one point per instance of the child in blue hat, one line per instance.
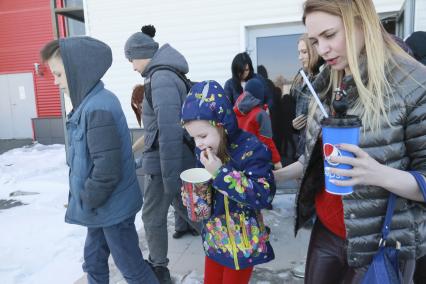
(252, 116)
(234, 237)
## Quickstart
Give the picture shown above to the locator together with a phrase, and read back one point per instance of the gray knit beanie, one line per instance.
(141, 45)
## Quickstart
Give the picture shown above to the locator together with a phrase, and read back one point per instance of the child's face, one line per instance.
(205, 135)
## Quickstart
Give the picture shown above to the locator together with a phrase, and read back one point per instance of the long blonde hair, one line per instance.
(312, 54)
(380, 50)
(313, 61)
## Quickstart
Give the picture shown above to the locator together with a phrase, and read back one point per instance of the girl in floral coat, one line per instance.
(234, 237)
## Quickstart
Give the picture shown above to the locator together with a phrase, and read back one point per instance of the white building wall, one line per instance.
(207, 32)
(420, 15)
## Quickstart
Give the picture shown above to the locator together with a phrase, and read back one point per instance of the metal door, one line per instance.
(275, 47)
(17, 105)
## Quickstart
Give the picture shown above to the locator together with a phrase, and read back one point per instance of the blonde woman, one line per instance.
(386, 88)
(311, 63)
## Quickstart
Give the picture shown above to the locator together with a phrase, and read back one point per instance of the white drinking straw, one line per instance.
(313, 92)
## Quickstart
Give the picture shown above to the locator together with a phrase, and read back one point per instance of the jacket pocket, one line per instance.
(85, 208)
(151, 141)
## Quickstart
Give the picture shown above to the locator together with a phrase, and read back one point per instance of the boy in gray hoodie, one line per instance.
(165, 153)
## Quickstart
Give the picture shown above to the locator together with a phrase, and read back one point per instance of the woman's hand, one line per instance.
(299, 122)
(365, 171)
(210, 161)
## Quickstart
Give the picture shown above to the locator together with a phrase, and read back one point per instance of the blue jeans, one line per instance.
(122, 241)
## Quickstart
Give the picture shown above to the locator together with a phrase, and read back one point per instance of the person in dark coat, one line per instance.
(104, 192)
(417, 43)
(281, 127)
(165, 153)
(242, 71)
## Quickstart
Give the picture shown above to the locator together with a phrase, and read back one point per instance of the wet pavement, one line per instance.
(9, 144)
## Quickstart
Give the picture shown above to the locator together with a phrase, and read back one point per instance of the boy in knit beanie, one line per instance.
(165, 154)
(141, 47)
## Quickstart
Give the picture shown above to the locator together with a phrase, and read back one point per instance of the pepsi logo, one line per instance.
(329, 151)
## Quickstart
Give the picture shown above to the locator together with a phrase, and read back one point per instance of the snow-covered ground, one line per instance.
(36, 245)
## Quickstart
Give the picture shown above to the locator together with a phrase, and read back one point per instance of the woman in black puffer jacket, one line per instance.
(386, 88)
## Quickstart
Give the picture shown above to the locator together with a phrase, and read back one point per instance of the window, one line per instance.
(279, 55)
(75, 27)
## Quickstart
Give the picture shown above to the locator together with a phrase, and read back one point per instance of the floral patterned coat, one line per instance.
(235, 234)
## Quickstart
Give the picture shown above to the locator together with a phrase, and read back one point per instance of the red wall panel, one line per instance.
(25, 26)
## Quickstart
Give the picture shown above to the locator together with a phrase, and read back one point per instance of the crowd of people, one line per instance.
(241, 134)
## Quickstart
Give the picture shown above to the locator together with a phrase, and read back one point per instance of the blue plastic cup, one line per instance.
(338, 131)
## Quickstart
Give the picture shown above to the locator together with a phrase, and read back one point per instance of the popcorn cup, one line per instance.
(197, 193)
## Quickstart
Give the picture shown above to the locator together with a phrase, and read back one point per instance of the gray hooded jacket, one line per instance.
(103, 187)
(165, 152)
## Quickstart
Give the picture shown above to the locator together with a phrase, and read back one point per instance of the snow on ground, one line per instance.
(36, 245)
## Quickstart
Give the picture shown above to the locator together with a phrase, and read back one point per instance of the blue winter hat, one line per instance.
(207, 101)
(255, 88)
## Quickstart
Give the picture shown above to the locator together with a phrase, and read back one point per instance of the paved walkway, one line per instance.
(187, 257)
(9, 144)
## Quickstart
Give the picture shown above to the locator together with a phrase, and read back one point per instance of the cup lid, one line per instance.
(347, 121)
(195, 175)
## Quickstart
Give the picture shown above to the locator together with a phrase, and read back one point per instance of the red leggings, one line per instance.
(215, 273)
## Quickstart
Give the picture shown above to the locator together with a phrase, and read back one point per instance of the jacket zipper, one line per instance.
(230, 233)
(244, 231)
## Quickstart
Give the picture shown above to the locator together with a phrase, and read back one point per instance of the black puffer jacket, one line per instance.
(402, 146)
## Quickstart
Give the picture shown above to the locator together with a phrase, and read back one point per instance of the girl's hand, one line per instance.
(299, 122)
(210, 161)
(365, 171)
(278, 166)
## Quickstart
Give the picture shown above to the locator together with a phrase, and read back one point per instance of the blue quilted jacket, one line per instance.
(103, 187)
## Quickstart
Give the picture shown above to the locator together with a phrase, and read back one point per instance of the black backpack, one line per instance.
(187, 139)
